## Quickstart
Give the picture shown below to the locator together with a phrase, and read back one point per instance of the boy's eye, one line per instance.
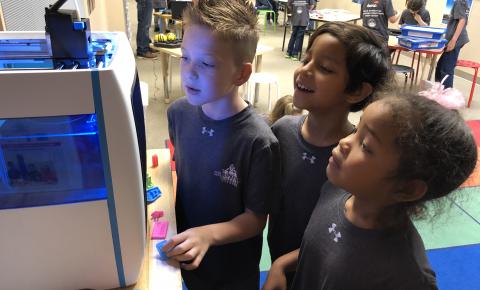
(208, 64)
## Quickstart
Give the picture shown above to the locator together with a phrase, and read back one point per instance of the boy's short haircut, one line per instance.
(367, 58)
(233, 21)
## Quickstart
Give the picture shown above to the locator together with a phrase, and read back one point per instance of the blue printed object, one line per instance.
(153, 193)
(163, 255)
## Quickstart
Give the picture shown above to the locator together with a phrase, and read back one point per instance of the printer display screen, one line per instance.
(50, 160)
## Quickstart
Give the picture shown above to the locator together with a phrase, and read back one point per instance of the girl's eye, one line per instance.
(324, 69)
(183, 58)
(365, 147)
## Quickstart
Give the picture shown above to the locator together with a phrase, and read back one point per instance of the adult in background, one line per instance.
(144, 20)
(457, 37)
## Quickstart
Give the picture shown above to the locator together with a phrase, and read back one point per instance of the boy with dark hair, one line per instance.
(457, 37)
(226, 155)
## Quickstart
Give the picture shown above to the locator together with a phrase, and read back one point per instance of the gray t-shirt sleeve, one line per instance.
(263, 178)
(460, 10)
(426, 17)
(389, 11)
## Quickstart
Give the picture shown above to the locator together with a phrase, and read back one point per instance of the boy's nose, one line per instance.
(190, 72)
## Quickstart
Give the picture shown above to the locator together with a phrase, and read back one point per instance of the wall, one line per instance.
(108, 15)
(435, 7)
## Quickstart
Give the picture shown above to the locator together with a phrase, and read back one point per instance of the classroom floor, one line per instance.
(452, 237)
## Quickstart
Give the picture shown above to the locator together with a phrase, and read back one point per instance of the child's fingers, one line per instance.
(173, 242)
(188, 256)
(180, 249)
(193, 265)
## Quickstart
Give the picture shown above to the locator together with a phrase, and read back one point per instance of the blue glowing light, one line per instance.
(50, 161)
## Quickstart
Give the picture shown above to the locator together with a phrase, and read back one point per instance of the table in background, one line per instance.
(167, 53)
(328, 15)
(155, 273)
(163, 19)
(430, 53)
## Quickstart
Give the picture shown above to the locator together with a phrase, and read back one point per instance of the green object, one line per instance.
(149, 182)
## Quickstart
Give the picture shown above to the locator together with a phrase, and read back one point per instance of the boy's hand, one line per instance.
(451, 45)
(417, 17)
(276, 279)
(189, 247)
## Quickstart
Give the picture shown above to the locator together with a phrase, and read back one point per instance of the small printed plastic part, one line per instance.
(159, 231)
(154, 160)
(153, 193)
(163, 255)
(156, 215)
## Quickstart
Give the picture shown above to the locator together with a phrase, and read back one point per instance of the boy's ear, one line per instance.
(364, 91)
(411, 190)
(244, 73)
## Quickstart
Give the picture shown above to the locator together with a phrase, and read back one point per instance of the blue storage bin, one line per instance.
(423, 31)
(421, 43)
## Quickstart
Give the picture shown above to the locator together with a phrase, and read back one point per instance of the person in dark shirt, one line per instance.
(331, 83)
(226, 156)
(415, 14)
(457, 37)
(407, 150)
(300, 18)
(376, 14)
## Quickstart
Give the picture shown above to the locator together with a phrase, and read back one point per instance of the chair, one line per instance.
(264, 13)
(475, 66)
(262, 78)
(406, 70)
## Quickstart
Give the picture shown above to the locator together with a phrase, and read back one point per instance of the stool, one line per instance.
(406, 70)
(262, 78)
(475, 66)
(264, 13)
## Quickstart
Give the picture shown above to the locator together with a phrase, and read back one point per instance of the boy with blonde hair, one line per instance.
(226, 155)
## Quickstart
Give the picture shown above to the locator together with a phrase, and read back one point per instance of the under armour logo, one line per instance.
(337, 235)
(311, 158)
(207, 131)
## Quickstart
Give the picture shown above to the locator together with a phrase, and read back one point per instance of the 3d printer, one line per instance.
(72, 158)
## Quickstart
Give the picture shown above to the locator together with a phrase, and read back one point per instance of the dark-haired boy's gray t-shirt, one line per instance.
(303, 174)
(459, 11)
(337, 255)
(375, 14)
(223, 168)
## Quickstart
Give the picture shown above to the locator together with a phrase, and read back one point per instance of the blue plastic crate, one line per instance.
(420, 43)
(423, 31)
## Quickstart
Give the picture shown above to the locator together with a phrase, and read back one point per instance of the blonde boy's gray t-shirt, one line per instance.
(223, 168)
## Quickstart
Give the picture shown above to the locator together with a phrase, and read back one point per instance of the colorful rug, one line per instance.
(474, 179)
